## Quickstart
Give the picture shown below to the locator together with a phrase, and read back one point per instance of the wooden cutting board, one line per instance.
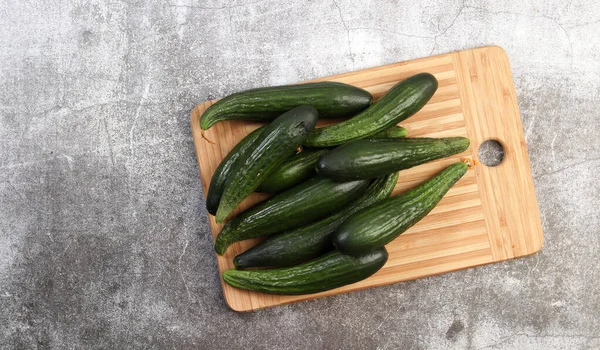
(490, 215)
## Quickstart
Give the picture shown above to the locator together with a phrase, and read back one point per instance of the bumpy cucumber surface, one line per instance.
(367, 159)
(298, 245)
(278, 141)
(324, 273)
(403, 100)
(223, 171)
(379, 224)
(311, 200)
(331, 99)
(292, 171)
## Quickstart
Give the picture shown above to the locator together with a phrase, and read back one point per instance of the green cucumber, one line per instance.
(278, 141)
(301, 166)
(403, 100)
(367, 159)
(330, 99)
(292, 171)
(327, 272)
(217, 182)
(394, 132)
(381, 223)
(298, 245)
(311, 200)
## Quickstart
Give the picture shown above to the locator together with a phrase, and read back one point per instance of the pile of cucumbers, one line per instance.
(330, 216)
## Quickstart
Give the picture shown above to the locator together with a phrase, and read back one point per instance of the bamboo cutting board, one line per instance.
(490, 215)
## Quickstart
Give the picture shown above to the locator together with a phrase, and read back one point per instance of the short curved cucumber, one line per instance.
(400, 102)
(379, 224)
(278, 141)
(217, 182)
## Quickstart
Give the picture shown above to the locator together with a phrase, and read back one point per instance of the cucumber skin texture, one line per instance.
(379, 224)
(394, 132)
(301, 166)
(292, 171)
(400, 102)
(298, 245)
(278, 141)
(217, 182)
(311, 200)
(367, 159)
(331, 99)
(327, 272)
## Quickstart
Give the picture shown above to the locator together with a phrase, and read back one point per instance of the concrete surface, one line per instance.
(104, 241)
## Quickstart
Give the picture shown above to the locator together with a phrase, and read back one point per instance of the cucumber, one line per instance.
(367, 159)
(403, 100)
(292, 171)
(217, 182)
(381, 223)
(278, 141)
(394, 132)
(331, 99)
(301, 166)
(298, 245)
(311, 200)
(327, 272)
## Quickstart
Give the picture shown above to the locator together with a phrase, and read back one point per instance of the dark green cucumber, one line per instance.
(331, 99)
(394, 132)
(367, 159)
(381, 223)
(301, 166)
(278, 141)
(324, 273)
(298, 245)
(292, 171)
(311, 200)
(403, 100)
(217, 182)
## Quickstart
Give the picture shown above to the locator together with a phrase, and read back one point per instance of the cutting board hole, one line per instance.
(491, 153)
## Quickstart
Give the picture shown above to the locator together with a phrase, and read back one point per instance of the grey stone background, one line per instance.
(104, 241)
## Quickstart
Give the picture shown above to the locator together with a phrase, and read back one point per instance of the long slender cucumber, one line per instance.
(311, 200)
(330, 99)
(324, 273)
(367, 159)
